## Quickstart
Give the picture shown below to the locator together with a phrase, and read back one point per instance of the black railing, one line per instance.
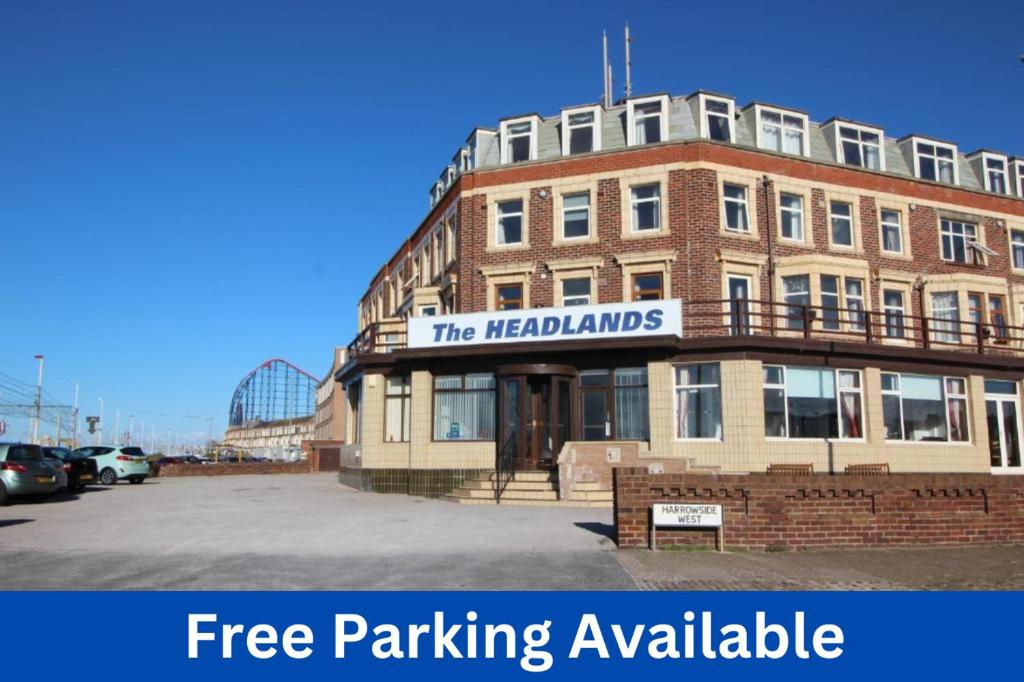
(504, 466)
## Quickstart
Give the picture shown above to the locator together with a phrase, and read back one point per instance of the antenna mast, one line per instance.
(605, 73)
(629, 65)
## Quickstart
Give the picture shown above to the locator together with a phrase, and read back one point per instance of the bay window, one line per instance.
(946, 317)
(397, 412)
(923, 408)
(615, 404)
(464, 407)
(796, 293)
(895, 312)
(811, 402)
(699, 402)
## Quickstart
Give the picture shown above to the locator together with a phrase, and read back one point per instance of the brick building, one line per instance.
(844, 297)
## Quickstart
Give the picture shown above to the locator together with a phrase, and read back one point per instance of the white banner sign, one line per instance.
(692, 515)
(602, 321)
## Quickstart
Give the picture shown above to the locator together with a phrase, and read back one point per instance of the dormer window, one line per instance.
(461, 161)
(1019, 174)
(860, 146)
(782, 131)
(936, 161)
(716, 118)
(581, 131)
(994, 166)
(647, 121)
(519, 140)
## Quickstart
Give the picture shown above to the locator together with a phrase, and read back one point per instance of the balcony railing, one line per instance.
(788, 320)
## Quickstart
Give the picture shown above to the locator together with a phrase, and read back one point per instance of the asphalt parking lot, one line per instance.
(308, 532)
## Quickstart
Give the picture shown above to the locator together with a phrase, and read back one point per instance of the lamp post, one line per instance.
(39, 402)
(99, 431)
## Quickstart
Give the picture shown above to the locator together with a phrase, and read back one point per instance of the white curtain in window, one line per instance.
(631, 417)
(793, 142)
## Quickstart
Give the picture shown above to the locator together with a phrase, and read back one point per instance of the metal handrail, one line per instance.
(504, 466)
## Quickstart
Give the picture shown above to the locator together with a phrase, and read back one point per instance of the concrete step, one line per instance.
(589, 487)
(507, 502)
(598, 496)
(482, 494)
(535, 476)
(512, 485)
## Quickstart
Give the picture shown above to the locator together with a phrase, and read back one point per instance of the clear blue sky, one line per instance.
(189, 188)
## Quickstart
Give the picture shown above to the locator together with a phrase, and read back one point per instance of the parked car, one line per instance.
(118, 463)
(80, 470)
(24, 471)
(58, 470)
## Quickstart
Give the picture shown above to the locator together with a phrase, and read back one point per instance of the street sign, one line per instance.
(688, 515)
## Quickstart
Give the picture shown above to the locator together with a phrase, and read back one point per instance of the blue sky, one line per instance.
(189, 188)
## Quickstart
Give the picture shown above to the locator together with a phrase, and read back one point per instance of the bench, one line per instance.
(867, 469)
(791, 469)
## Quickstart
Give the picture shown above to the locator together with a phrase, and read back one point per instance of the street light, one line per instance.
(39, 402)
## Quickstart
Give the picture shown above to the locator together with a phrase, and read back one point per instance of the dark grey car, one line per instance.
(24, 471)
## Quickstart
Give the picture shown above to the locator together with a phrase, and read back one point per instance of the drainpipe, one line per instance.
(771, 255)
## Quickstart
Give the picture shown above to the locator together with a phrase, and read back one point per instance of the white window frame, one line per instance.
(841, 154)
(505, 139)
(744, 202)
(633, 201)
(900, 310)
(631, 117)
(985, 157)
(915, 140)
(853, 227)
(679, 388)
(1018, 180)
(945, 400)
(421, 312)
(498, 215)
(972, 258)
(1015, 247)
(590, 291)
(760, 110)
(567, 128)
(702, 100)
(883, 223)
(590, 214)
(859, 390)
(798, 212)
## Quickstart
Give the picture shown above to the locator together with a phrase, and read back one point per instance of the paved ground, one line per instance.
(309, 532)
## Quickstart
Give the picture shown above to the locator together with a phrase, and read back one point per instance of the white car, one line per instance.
(116, 463)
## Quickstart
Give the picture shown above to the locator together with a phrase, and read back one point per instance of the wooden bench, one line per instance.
(791, 469)
(867, 469)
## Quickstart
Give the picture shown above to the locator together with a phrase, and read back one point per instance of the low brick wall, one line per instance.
(235, 469)
(817, 511)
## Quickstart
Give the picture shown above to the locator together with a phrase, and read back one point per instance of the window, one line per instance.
(647, 124)
(698, 402)
(518, 141)
(576, 216)
(945, 317)
(581, 131)
(1020, 178)
(739, 304)
(1017, 246)
(791, 207)
(997, 317)
(736, 214)
(648, 287)
(464, 407)
(428, 310)
(397, 415)
(796, 293)
(509, 223)
(834, 311)
(918, 407)
(895, 313)
(855, 303)
(956, 239)
(829, 302)
(995, 173)
(717, 118)
(841, 218)
(646, 203)
(576, 291)
(860, 147)
(509, 296)
(782, 132)
(354, 393)
(936, 162)
(892, 231)
(449, 240)
(808, 402)
(614, 404)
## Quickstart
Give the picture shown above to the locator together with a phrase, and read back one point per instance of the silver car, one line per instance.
(24, 471)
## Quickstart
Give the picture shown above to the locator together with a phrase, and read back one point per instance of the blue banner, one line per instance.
(506, 635)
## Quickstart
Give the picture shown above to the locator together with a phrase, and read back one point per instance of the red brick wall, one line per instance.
(791, 512)
(235, 469)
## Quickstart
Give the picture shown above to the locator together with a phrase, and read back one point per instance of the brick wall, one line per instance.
(791, 512)
(235, 469)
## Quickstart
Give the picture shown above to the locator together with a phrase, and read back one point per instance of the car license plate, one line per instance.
(44, 479)
(85, 477)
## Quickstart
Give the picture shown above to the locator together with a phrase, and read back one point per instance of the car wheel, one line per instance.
(108, 477)
(136, 480)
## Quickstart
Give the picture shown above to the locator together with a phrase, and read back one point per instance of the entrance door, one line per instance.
(1002, 409)
(535, 417)
(539, 412)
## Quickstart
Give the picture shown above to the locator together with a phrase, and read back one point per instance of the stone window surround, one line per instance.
(634, 179)
(814, 266)
(906, 283)
(962, 284)
(903, 208)
(493, 200)
(744, 265)
(979, 234)
(752, 181)
(853, 199)
(644, 263)
(559, 192)
(498, 275)
(804, 191)
(576, 268)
